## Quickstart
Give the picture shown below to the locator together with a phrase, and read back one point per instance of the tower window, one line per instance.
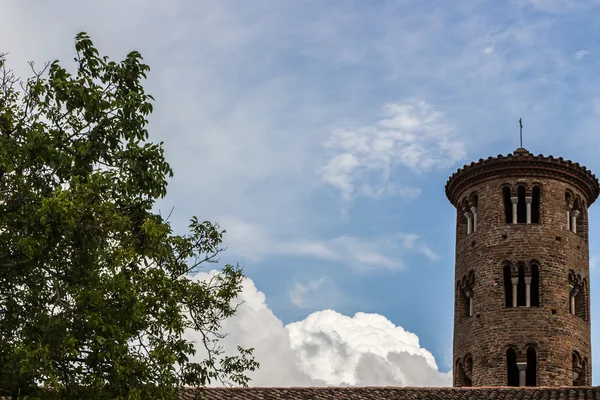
(468, 367)
(512, 372)
(579, 369)
(578, 296)
(507, 204)
(508, 287)
(535, 285)
(521, 205)
(474, 200)
(530, 376)
(464, 372)
(575, 213)
(466, 300)
(465, 295)
(535, 205)
(569, 198)
(521, 287)
(467, 218)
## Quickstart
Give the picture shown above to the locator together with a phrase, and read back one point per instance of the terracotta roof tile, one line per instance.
(392, 393)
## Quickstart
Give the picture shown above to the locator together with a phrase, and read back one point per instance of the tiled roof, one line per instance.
(392, 393)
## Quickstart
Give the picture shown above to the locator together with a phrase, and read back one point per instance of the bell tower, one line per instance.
(522, 305)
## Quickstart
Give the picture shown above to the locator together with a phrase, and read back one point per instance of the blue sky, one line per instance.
(320, 135)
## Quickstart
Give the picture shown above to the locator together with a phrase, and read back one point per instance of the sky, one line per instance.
(320, 134)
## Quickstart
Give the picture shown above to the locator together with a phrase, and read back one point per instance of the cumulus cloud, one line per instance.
(327, 348)
(254, 243)
(411, 135)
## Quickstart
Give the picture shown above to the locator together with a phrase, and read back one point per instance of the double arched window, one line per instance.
(580, 370)
(521, 369)
(578, 296)
(468, 212)
(521, 284)
(576, 214)
(464, 289)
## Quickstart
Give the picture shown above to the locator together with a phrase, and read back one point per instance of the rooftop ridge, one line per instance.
(420, 388)
(392, 393)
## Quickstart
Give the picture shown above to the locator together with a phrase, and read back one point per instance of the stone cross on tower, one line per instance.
(521, 133)
(522, 305)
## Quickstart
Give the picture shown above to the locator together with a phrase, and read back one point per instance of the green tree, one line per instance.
(95, 288)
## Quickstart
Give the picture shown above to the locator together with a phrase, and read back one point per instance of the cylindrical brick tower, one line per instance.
(522, 308)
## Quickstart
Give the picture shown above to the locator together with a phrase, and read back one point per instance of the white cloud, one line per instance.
(327, 348)
(366, 349)
(250, 241)
(488, 50)
(581, 53)
(413, 242)
(300, 292)
(411, 134)
(317, 294)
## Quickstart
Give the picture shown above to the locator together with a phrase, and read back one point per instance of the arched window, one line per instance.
(531, 374)
(521, 297)
(579, 368)
(578, 296)
(569, 198)
(463, 373)
(521, 205)
(466, 304)
(468, 368)
(465, 295)
(461, 221)
(584, 372)
(507, 204)
(579, 218)
(535, 285)
(508, 302)
(474, 202)
(535, 205)
(465, 217)
(576, 225)
(463, 306)
(512, 372)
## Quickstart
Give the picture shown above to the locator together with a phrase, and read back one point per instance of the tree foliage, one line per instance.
(95, 288)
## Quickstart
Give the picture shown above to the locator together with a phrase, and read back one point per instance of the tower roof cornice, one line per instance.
(522, 163)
